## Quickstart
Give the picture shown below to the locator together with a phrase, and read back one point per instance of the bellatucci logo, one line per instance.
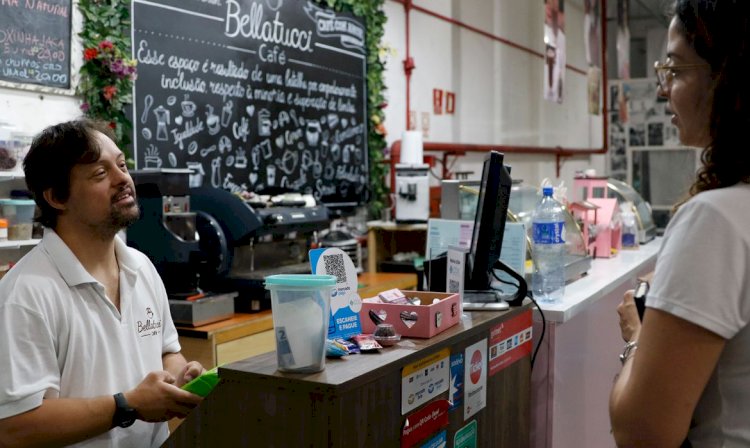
(149, 327)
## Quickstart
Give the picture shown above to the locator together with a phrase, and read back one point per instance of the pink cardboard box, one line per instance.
(417, 321)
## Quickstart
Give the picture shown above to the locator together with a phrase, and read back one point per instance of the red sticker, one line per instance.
(509, 342)
(476, 367)
(424, 422)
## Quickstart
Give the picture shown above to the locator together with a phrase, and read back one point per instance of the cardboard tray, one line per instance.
(424, 321)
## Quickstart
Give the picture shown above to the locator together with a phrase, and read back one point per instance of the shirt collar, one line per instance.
(71, 269)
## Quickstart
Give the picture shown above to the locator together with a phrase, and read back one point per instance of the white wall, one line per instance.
(498, 88)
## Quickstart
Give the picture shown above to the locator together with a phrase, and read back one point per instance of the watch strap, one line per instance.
(124, 415)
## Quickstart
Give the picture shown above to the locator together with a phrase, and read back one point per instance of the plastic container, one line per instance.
(548, 237)
(20, 216)
(301, 307)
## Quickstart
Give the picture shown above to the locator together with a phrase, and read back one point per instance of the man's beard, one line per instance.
(119, 218)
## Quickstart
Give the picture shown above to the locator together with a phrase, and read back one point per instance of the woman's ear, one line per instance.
(49, 196)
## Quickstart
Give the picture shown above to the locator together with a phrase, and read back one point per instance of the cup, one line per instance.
(301, 307)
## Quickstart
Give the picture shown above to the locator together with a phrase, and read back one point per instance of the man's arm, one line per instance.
(58, 422)
(65, 421)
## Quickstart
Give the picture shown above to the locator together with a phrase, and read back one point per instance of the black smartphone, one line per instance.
(639, 296)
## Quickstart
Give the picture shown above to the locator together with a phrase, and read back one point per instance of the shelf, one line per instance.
(10, 175)
(15, 244)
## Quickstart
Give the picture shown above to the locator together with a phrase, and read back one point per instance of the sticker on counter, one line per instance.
(427, 420)
(475, 378)
(510, 341)
(466, 437)
(456, 391)
(439, 441)
(424, 380)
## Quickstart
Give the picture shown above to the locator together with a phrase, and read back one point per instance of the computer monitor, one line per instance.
(489, 228)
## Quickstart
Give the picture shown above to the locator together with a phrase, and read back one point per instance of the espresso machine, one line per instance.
(241, 254)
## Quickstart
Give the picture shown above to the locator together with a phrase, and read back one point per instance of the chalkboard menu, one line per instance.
(35, 42)
(252, 95)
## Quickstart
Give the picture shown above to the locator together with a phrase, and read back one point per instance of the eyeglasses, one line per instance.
(665, 73)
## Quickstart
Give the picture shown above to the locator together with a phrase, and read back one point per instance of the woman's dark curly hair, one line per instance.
(719, 31)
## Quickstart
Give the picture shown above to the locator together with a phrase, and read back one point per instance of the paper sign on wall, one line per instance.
(439, 441)
(509, 342)
(345, 302)
(475, 378)
(424, 380)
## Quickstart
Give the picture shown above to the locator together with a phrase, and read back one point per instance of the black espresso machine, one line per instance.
(235, 245)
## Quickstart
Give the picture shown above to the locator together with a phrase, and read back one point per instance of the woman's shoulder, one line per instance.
(722, 199)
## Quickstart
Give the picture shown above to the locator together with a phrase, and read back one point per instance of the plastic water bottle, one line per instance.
(548, 232)
(629, 231)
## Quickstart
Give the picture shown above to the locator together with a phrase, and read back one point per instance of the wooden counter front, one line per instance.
(355, 401)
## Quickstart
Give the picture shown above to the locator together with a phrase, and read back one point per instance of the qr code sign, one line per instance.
(335, 266)
(452, 286)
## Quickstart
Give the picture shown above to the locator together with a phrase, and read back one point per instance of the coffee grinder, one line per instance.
(167, 234)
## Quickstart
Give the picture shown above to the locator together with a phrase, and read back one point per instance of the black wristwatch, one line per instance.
(124, 414)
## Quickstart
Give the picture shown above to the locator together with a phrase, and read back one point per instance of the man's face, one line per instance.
(102, 194)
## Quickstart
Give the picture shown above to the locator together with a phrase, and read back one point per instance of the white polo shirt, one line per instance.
(61, 337)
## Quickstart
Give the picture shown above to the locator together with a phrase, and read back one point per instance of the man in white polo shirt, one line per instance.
(88, 351)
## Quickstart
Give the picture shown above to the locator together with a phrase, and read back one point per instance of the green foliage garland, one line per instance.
(108, 72)
(107, 76)
(372, 12)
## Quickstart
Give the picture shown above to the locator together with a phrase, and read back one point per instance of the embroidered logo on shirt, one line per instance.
(149, 327)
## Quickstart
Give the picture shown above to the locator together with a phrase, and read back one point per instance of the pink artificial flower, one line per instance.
(106, 45)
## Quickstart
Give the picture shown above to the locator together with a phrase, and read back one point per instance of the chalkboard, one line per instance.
(35, 42)
(253, 95)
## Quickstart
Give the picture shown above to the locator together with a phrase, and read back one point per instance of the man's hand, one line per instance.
(630, 323)
(157, 398)
(190, 371)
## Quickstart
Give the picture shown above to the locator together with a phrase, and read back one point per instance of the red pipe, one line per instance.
(455, 148)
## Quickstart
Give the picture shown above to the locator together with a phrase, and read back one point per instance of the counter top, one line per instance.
(605, 275)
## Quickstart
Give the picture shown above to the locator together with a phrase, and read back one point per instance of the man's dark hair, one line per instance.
(51, 158)
(719, 31)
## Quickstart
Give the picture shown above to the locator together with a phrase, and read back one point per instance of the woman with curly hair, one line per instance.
(686, 368)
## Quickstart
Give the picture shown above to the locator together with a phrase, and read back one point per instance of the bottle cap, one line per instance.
(547, 191)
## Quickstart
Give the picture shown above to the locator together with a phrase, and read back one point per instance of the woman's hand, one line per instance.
(630, 323)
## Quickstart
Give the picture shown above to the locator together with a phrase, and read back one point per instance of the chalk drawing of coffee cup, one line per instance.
(212, 120)
(188, 107)
(153, 162)
(312, 132)
(226, 113)
(271, 175)
(264, 123)
(152, 159)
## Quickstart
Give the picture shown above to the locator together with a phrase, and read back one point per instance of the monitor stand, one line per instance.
(476, 300)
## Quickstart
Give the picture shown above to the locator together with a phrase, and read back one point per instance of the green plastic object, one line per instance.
(203, 384)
